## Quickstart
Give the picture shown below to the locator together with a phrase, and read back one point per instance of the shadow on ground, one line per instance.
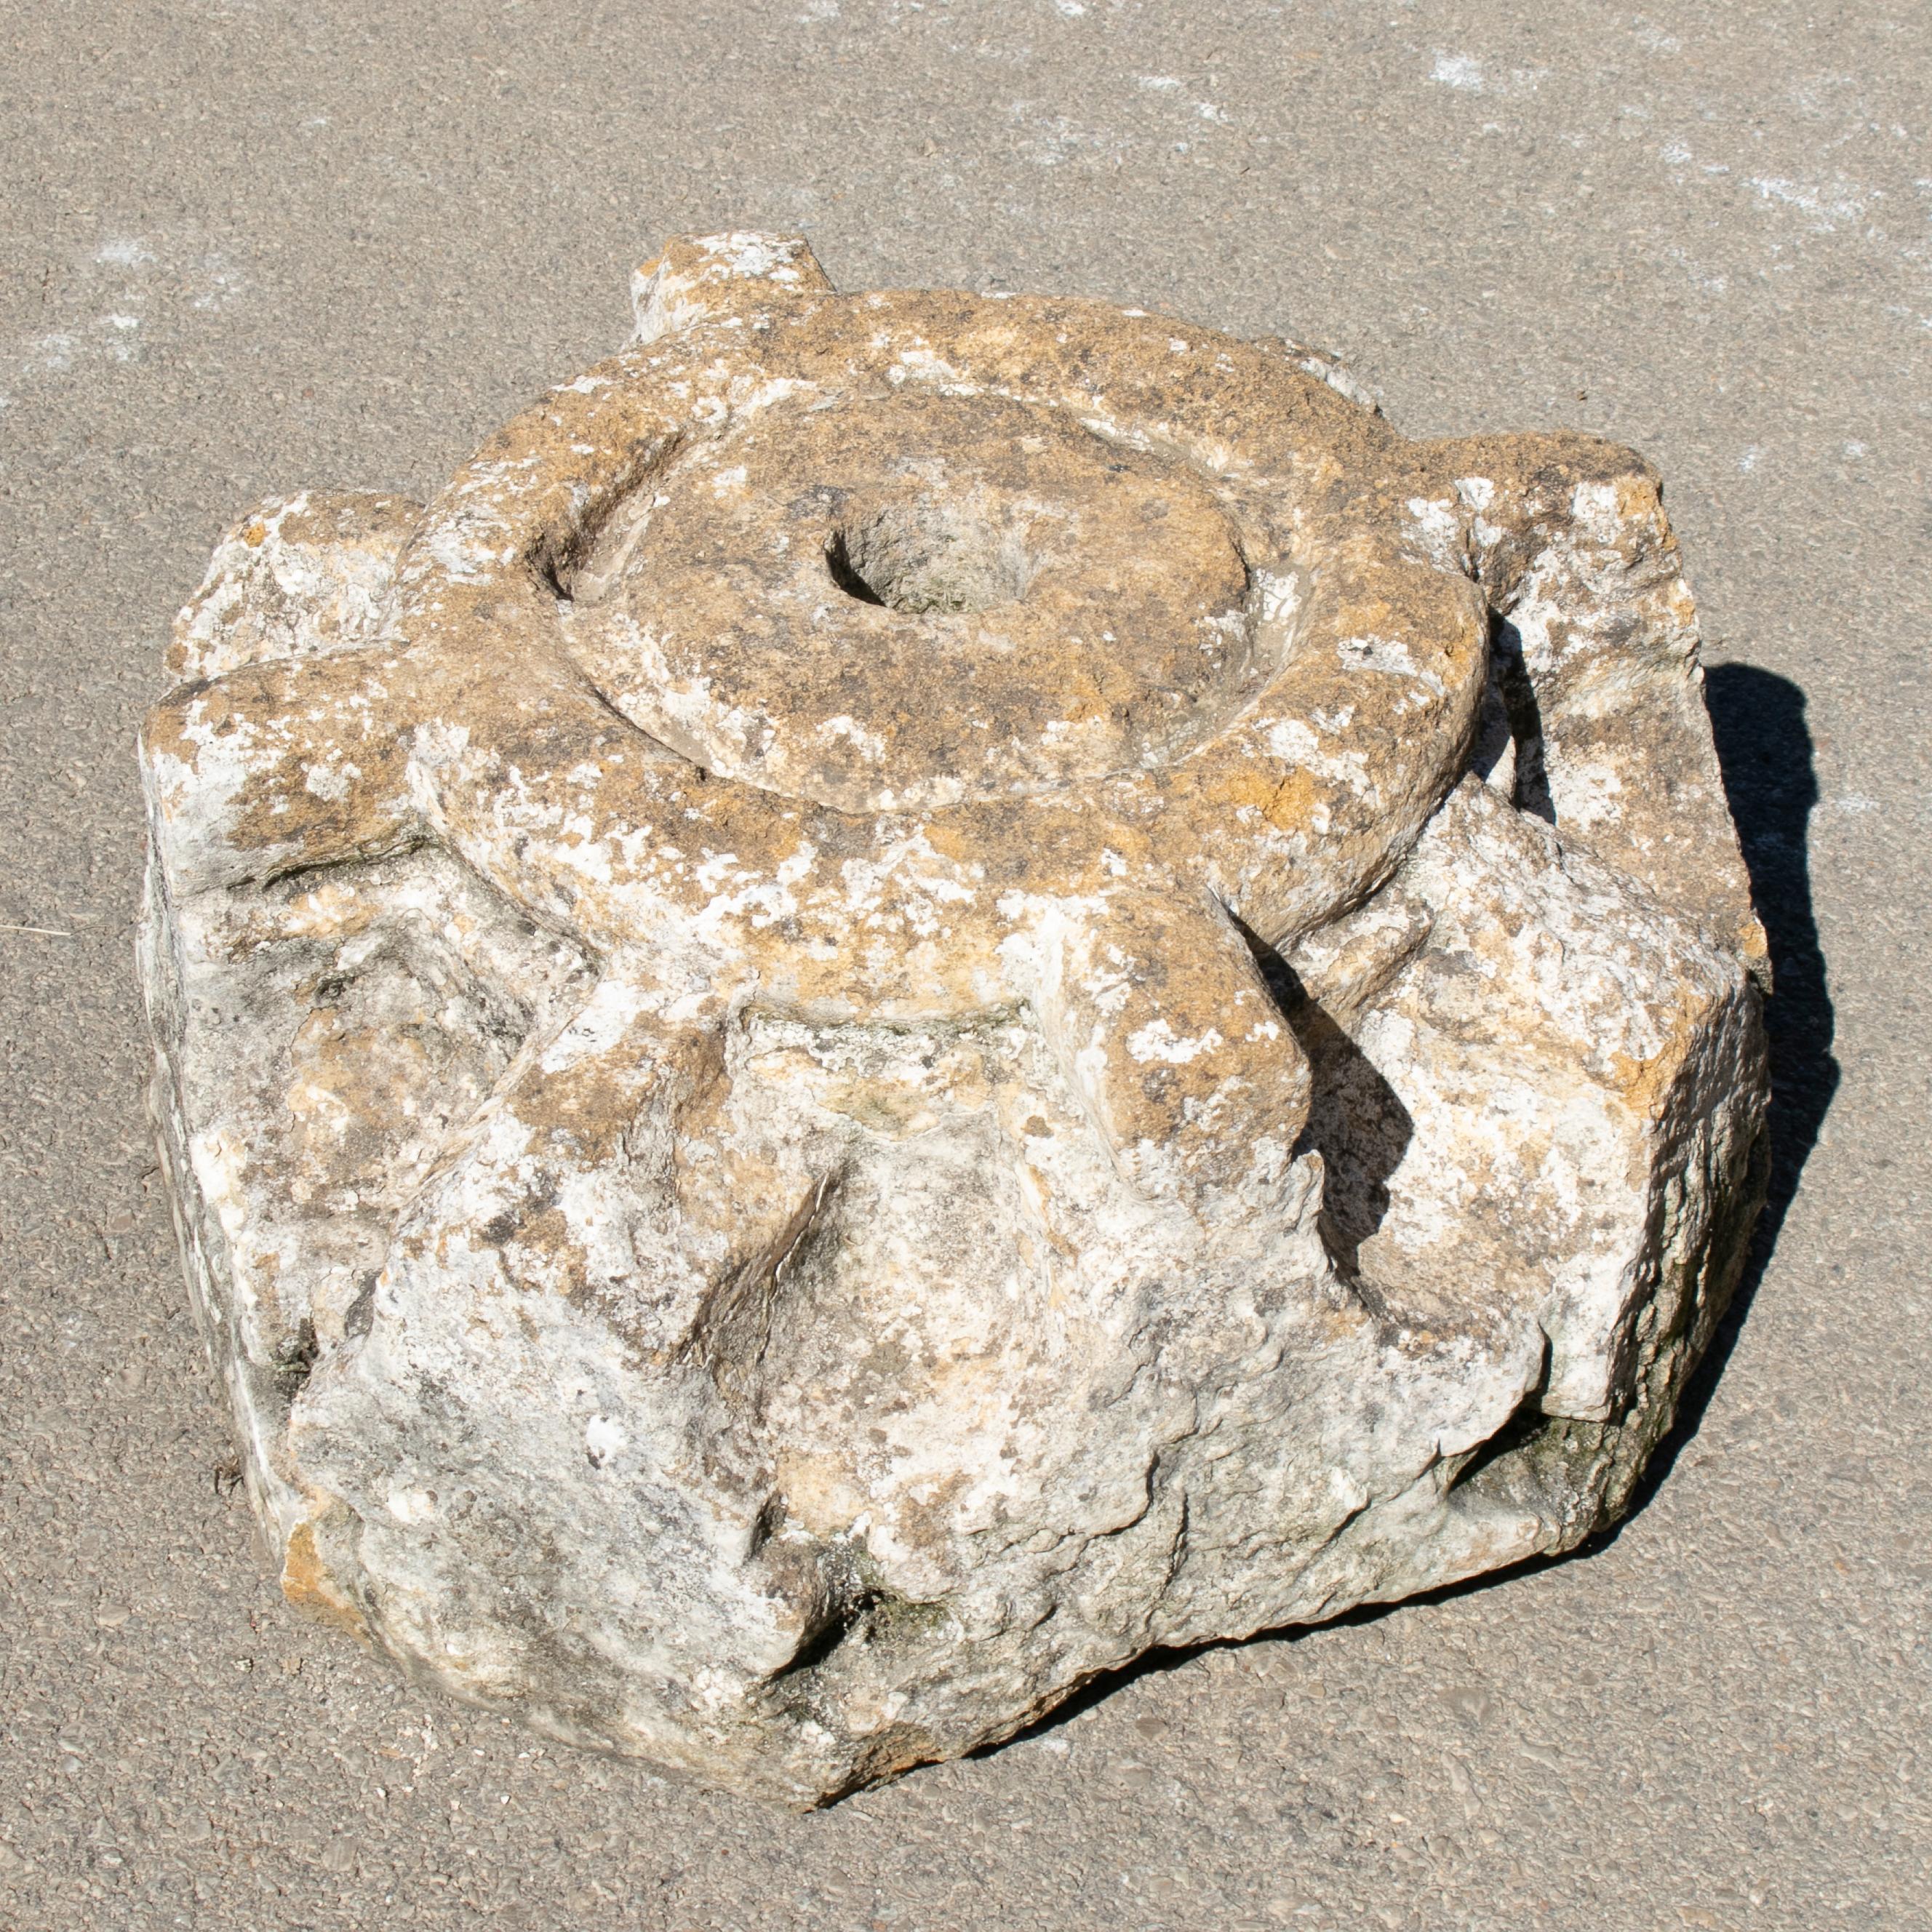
(1764, 751)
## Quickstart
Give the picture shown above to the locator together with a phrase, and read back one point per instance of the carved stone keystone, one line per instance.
(930, 988)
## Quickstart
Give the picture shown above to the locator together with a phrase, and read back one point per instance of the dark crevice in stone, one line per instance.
(1510, 679)
(1356, 1121)
(295, 1359)
(360, 1316)
(848, 1619)
(845, 573)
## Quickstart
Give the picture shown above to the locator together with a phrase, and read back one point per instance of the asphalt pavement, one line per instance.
(247, 246)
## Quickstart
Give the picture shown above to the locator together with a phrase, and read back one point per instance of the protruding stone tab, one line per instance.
(738, 273)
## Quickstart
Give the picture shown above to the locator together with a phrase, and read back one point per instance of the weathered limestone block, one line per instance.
(928, 988)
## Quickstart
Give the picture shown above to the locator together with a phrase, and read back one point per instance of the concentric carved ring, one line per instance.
(1271, 765)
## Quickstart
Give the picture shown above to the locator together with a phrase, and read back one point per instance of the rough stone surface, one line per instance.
(928, 989)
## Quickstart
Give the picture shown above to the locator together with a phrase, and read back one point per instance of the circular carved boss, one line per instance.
(1095, 603)
(918, 653)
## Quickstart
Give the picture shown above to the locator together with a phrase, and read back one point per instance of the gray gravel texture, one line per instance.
(253, 246)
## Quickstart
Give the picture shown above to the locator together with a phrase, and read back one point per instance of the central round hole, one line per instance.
(927, 556)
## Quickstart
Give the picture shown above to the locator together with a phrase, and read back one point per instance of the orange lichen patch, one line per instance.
(1645, 1085)
(308, 1584)
(1250, 788)
(1291, 805)
(821, 1490)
